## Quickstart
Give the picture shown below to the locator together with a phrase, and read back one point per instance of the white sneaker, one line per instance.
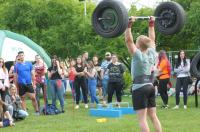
(86, 106)
(77, 107)
(176, 107)
(104, 104)
(185, 106)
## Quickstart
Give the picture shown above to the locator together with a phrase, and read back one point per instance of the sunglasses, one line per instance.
(1, 62)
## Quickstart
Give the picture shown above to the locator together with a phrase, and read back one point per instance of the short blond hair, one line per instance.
(143, 41)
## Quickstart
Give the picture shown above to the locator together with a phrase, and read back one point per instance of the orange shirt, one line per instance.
(164, 67)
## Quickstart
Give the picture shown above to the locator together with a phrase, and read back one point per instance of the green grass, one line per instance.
(79, 120)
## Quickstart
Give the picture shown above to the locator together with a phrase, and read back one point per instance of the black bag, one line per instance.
(50, 109)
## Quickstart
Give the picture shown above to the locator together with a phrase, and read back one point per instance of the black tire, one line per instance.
(195, 66)
(122, 18)
(179, 17)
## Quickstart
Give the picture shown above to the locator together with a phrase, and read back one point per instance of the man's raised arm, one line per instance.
(152, 35)
(129, 38)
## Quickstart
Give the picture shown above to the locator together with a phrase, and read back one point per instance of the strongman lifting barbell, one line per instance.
(110, 18)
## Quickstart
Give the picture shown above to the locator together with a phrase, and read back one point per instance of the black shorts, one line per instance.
(144, 97)
(25, 88)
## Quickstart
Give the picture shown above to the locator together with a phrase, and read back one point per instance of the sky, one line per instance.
(140, 3)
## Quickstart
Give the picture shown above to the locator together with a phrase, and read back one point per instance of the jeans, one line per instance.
(22, 114)
(10, 110)
(181, 82)
(105, 87)
(57, 91)
(71, 83)
(64, 81)
(44, 90)
(92, 83)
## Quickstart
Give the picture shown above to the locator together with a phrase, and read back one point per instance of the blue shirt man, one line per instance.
(24, 77)
(23, 71)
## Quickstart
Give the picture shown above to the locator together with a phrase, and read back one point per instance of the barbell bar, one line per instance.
(137, 17)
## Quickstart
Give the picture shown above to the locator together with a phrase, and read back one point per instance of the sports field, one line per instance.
(79, 120)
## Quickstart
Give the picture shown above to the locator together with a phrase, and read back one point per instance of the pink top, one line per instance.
(39, 73)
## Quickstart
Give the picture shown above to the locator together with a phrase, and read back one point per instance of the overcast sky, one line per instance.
(141, 3)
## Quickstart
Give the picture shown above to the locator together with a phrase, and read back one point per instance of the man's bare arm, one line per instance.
(152, 35)
(129, 38)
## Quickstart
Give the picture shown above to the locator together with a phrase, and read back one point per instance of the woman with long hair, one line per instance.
(182, 70)
(14, 103)
(91, 74)
(164, 71)
(56, 85)
(4, 80)
(97, 66)
(80, 82)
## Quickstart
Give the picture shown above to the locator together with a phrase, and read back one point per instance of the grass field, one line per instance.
(79, 120)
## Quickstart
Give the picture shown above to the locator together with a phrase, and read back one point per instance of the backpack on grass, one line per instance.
(50, 109)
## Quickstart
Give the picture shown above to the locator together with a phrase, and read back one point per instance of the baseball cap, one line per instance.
(107, 54)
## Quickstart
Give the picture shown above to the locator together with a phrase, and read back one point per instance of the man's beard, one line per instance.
(108, 59)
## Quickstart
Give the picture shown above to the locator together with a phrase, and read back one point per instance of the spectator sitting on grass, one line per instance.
(14, 104)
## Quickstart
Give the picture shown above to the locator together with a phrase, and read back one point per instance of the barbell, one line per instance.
(110, 18)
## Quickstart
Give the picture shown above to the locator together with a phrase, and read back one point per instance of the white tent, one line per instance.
(11, 43)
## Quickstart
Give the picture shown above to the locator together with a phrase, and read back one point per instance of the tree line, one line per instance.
(61, 27)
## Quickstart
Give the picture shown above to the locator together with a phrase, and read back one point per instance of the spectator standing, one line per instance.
(24, 78)
(71, 76)
(64, 75)
(56, 85)
(4, 81)
(91, 74)
(40, 80)
(99, 80)
(164, 70)
(182, 70)
(80, 82)
(104, 75)
(115, 72)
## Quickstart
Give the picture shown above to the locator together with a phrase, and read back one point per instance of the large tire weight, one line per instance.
(110, 18)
